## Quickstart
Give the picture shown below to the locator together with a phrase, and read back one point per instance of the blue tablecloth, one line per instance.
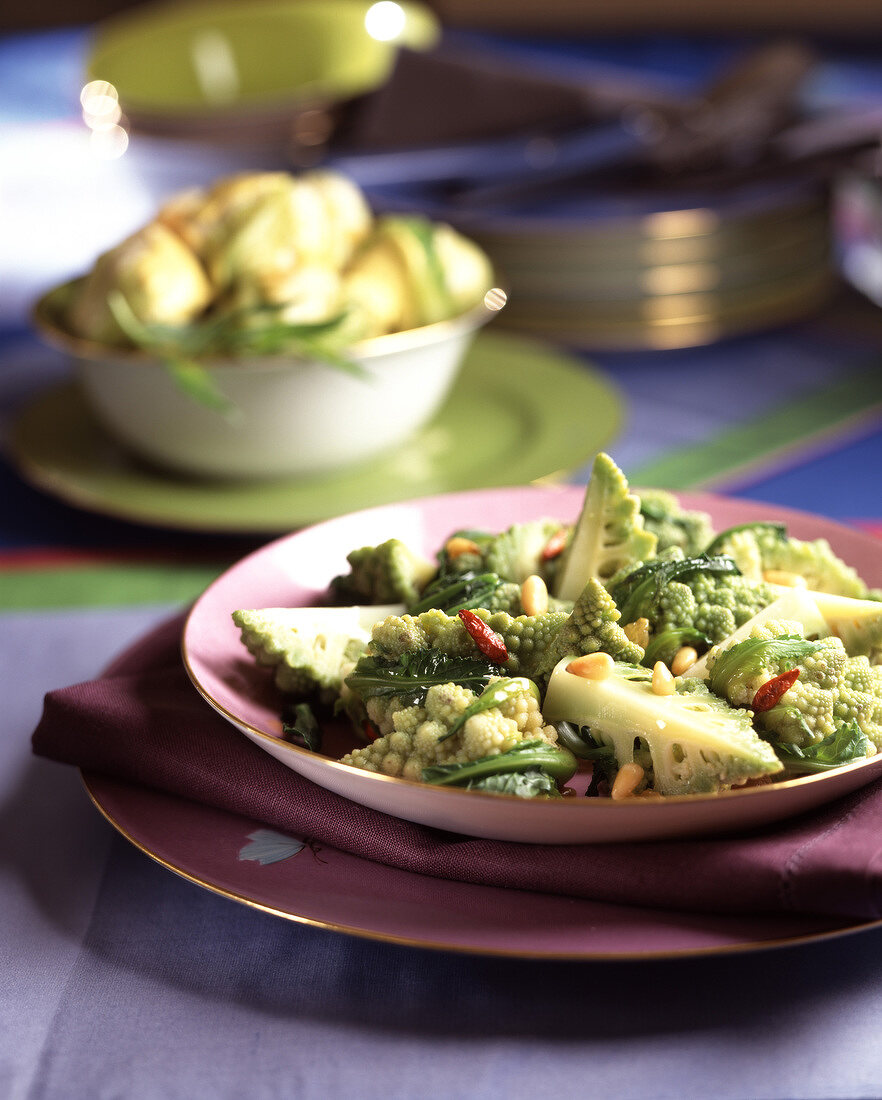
(122, 980)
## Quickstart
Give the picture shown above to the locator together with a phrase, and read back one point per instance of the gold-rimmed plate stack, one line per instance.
(603, 272)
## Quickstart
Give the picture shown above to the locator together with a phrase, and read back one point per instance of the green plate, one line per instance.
(519, 412)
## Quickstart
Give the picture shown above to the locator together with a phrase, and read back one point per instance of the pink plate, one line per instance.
(295, 570)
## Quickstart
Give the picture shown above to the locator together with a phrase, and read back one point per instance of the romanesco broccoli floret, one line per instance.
(609, 533)
(592, 626)
(526, 637)
(416, 737)
(672, 525)
(674, 593)
(830, 690)
(513, 554)
(517, 553)
(761, 548)
(686, 742)
(309, 649)
(389, 573)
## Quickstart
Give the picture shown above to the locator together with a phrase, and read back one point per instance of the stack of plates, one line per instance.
(602, 272)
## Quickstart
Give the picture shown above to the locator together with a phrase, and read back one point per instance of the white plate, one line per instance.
(295, 570)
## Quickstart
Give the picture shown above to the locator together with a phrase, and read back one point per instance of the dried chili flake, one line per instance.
(769, 695)
(486, 639)
(555, 545)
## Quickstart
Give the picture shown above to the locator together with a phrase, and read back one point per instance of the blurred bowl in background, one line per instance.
(251, 72)
(288, 415)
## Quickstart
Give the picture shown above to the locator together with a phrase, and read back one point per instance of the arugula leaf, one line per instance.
(845, 745)
(410, 675)
(300, 727)
(533, 783)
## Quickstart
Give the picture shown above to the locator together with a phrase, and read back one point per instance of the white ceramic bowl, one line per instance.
(290, 415)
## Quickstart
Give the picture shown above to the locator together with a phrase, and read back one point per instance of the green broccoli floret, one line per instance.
(831, 689)
(673, 525)
(609, 533)
(793, 605)
(704, 594)
(389, 573)
(592, 626)
(688, 742)
(452, 726)
(516, 554)
(309, 649)
(526, 637)
(513, 554)
(760, 548)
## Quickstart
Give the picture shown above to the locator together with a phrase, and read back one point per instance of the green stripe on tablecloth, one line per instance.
(103, 585)
(770, 439)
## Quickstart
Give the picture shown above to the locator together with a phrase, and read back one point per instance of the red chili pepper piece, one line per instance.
(771, 691)
(555, 545)
(370, 731)
(486, 639)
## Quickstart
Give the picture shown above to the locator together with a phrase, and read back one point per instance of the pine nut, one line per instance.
(662, 680)
(684, 658)
(534, 596)
(626, 781)
(458, 545)
(593, 666)
(638, 632)
(785, 578)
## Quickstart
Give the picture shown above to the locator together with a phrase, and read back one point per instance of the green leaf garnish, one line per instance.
(300, 727)
(533, 783)
(410, 675)
(845, 745)
(752, 656)
(453, 592)
(256, 331)
(557, 762)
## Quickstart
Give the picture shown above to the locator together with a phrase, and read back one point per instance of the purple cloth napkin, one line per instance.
(143, 722)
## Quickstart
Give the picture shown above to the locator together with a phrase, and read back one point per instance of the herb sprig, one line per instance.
(258, 331)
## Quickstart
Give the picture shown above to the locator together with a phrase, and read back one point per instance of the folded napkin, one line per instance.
(143, 722)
